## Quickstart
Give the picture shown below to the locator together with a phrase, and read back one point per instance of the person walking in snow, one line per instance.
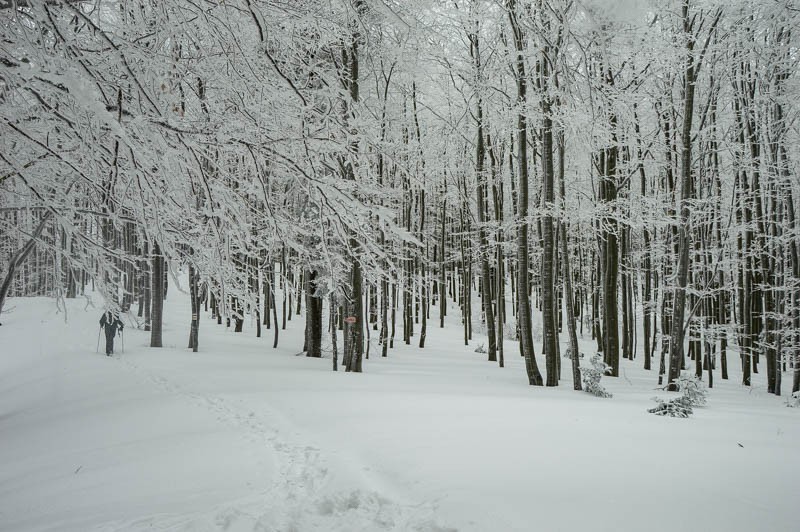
(111, 323)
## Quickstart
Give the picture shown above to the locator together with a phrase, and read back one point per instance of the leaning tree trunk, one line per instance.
(19, 257)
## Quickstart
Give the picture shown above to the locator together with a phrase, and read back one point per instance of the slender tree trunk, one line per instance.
(549, 325)
(157, 291)
(442, 266)
(682, 267)
(194, 297)
(313, 316)
(332, 329)
(384, 318)
(523, 260)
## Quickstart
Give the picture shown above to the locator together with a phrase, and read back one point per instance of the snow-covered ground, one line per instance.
(241, 436)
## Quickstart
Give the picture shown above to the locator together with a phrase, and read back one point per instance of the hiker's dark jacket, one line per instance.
(111, 323)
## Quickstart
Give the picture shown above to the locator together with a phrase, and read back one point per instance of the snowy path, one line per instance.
(297, 500)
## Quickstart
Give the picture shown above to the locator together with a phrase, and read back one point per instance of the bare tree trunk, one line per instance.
(610, 259)
(442, 266)
(384, 318)
(682, 267)
(523, 299)
(313, 316)
(481, 193)
(332, 328)
(274, 317)
(194, 296)
(686, 195)
(147, 281)
(646, 273)
(354, 348)
(573, 335)
(157, 297)
(549, 326)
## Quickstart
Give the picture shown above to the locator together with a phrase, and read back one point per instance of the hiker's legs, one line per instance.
(109, 342)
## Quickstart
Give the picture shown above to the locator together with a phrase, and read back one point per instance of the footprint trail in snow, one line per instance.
(305, 495)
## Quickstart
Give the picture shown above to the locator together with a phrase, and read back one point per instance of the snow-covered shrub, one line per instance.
(510, 331)
(693, 388)
(794, 400)
(678, 407)
(568, 354)
(481, 348)
(693, 393)
(591, 377)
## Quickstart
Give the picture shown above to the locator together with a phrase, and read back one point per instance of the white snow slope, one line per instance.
(241, 436)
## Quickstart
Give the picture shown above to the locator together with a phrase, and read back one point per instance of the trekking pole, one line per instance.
(122, 337)
(97, 349)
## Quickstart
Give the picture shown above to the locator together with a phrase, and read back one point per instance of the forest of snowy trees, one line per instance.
(627, 170)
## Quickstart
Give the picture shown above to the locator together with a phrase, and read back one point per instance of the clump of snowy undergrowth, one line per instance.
(568, 354)
(794, 400)
(693, 393)
(510, 331)
(591, 377)
(481, 348)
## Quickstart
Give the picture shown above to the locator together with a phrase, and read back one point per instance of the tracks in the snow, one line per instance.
(301, 498)
(295, 461)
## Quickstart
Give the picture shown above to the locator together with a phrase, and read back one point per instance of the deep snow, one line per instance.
(244, 437)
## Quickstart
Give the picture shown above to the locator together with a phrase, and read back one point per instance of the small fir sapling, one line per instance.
(591, 377)
(693, 393)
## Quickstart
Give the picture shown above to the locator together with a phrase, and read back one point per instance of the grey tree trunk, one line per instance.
(676, 357)
(157, 297)
(486, 282)
(549, 325)
(523, 299)
(194, 296)
(313, 316)
(682, 268)
(332, 328)
(568, 304)
(354, 347)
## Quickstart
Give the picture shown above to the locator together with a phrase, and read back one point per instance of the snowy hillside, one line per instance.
(243, 437)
